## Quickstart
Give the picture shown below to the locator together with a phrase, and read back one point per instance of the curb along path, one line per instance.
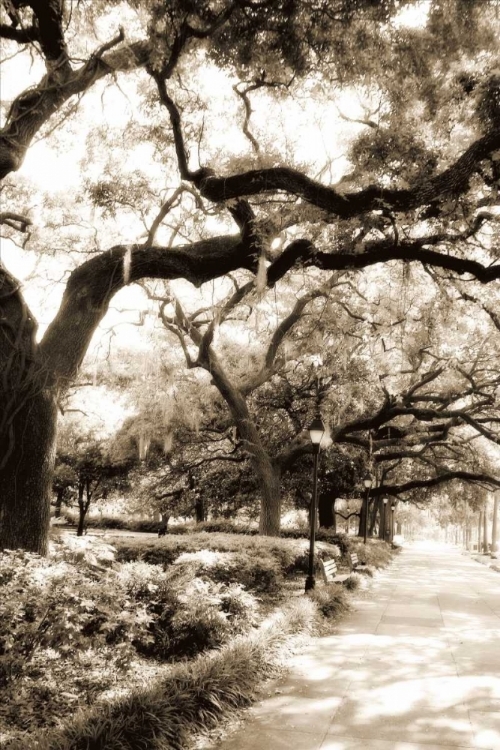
(414, 666)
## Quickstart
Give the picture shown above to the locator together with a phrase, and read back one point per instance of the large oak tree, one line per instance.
(422, 183)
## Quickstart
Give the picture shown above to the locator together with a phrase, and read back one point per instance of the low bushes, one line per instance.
(332, 601)
(375, 552)
(79, 629)
(261, 574)
(191, 698)
(256, 553)
(113, 522)
(75, 622)
(187, 614)
(225, 526)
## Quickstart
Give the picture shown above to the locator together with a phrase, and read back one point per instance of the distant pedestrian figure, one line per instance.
(162, 530)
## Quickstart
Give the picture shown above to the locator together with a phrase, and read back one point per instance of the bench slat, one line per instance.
(330, 566)
(329, 570)
(356, 565)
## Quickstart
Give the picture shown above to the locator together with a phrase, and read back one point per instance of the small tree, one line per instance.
(65, 479)
(96, 470)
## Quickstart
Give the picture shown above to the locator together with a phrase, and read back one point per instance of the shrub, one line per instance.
(223, 525)
(261, 574)
(291, 555)
(161, 552)
(341, 541)
(191, 698)
(331, 600)
(58, 605)
(187, 614)
(376, 552)
(352, 583)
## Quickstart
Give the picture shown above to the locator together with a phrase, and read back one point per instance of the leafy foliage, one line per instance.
(258, 562)
(190, 697)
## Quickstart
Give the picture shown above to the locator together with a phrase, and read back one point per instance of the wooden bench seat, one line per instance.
(358, 567)
(329, 571)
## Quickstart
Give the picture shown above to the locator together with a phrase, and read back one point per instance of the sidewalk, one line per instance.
(415, 666)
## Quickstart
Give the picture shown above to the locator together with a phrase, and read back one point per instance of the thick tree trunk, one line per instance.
(361, 527)
(269, 479)
(26, 479)
(326, 510)
(381, 523)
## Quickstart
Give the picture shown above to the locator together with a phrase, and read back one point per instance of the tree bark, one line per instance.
(59, 499)
(485, 528)
(269, 480)
(381, 509)
(326, 511)
(199, 509)
(26, 479)
(372, 516)
(83, 506)
(494, 524)
(361, 527)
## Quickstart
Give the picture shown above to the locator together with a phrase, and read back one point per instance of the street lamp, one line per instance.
(367, 481)
(393, 508)
(316, 432)
(385, 501)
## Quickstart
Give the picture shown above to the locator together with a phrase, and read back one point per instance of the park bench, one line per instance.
(329, 571)
(358, 567)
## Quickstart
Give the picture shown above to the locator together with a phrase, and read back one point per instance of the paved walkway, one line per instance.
(415, 666)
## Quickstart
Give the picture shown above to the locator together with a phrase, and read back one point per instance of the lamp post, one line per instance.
(316, 432)
(367, 481)
(384, 528)
(393, 508)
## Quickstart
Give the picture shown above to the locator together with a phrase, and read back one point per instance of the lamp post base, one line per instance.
(310, 583)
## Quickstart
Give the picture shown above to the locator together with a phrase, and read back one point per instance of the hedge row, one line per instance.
(258, 556)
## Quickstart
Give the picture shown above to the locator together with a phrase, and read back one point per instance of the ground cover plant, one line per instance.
(82, 631)
(74, 619)
(188, 698)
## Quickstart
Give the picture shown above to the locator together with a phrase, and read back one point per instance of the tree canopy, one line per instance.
(242, 137)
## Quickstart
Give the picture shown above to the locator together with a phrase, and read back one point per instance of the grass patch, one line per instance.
(352, 583)
(331, 600)
(191, 698)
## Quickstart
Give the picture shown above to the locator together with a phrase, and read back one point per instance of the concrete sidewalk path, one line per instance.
(414, 666)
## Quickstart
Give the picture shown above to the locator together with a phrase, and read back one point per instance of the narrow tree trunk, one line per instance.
(381, 523)
(83, 506)
(199, 509)
(494, 524)
(372, 515)
(485, 528)
(26, 479)
(479, 527)
(59, 499)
